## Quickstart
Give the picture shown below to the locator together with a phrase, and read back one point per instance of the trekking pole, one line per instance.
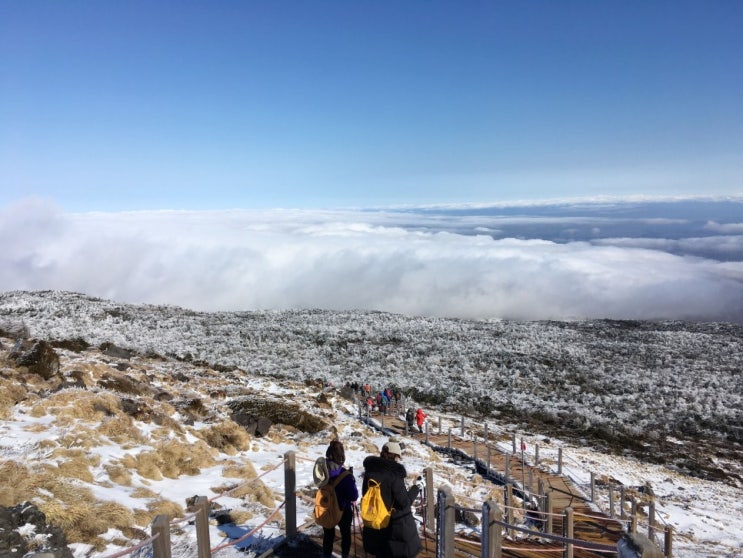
(353, 525)
(424, 514)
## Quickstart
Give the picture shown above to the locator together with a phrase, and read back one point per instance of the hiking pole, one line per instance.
(353, 523)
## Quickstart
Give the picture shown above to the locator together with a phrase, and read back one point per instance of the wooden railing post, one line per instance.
(621, 502)
(513, 442)
(492, 536)
(611, 501)
(633, 517)
(439, 426)
(203, 543)
(548, 509)
(569, 530)
(488, 458)
(536, 455)
(445, 540)
(593, 487)
(651, 519)
(448, 442)
(428, 427)
(430, 502)
(160, 528)
(462, 426)
(474, 445)
(508, 501)
(290, 497)
(508, 467)
(559, 461)
(668, 546)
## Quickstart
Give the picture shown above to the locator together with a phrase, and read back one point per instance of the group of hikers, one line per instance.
(389, 529)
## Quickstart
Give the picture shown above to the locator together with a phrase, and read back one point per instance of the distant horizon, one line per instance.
(679, 259)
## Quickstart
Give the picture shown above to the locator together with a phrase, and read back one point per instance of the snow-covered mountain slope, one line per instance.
(148, 432)
(669, 392)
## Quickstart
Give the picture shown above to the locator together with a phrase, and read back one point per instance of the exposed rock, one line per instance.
(109, 349)
(14, 545)
(256, 426)
(36, 355)
(279, 412)
(122, 384)
(76, 345)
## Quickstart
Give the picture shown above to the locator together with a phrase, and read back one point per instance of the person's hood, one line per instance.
(377, 464)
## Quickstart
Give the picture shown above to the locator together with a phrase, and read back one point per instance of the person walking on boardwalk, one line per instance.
(347, 493)
(400, 538)
(420, 418)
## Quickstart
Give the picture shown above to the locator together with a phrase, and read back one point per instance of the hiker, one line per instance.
(410, 419)
(420, 417)
(347, 493)
(400, 538)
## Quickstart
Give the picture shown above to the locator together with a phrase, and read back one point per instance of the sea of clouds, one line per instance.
(619, 260)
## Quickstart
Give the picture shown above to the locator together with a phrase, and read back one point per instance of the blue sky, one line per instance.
(111, 106)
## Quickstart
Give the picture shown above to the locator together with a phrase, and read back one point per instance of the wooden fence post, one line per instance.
(290, 498)
(633, 517)
(462, 426)
(492, 536)
(430, 502)
(508, 467)
(593, 487)
(508, 500)
(569, 532)
(621, 502)
(202, 527)
(439, 426)
(513, 442)
(668, 546)
(536, 455)
(548, 509)
(428, 427)
(161, 545)
(445, 540)
(611, 501)
(448, 442)
(559, 461)
(474, 445)
(488, 458)
(651, 519)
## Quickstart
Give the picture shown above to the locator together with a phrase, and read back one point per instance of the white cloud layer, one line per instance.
(281, 259)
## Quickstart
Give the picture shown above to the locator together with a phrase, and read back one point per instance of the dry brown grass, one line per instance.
(118, 474)
(73, 463)
(15, 483)
(11, 392)
(227, 437)
(121, 430)
(78, 404)
(244, 470)
(143, 492)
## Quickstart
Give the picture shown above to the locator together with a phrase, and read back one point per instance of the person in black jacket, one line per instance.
(400, 538)
(347, 494)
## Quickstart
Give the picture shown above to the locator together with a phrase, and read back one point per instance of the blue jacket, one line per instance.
(346, 490)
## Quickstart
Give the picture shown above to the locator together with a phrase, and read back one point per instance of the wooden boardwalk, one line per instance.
(588, 525)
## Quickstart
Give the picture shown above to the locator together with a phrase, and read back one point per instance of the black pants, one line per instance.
(328, 535)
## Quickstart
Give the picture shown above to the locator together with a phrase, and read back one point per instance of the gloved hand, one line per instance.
(419, 483)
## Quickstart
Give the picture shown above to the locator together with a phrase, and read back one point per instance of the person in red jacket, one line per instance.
(420, 418)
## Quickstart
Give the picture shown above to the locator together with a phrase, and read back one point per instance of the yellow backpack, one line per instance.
(374, 512)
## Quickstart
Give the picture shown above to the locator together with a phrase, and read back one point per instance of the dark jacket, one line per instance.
(346, 490)
(400, 538)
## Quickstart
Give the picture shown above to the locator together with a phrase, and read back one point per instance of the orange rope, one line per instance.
(133, 548)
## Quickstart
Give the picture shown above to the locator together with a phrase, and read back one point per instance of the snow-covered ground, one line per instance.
(706, 515)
